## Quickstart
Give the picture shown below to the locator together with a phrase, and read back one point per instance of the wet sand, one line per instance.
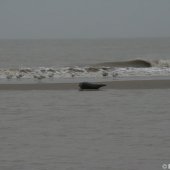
(116, 84)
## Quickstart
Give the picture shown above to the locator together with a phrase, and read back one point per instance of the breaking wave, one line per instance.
(132, 68)
(133, 63)
(137, 63)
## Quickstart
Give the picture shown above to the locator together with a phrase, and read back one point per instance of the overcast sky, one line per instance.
(84, 18)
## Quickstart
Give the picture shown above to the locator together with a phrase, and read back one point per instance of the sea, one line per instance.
(107, 129)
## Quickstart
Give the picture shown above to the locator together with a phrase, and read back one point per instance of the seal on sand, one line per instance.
(90, 86)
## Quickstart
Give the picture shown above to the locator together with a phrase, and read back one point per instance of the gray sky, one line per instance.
(84, 18)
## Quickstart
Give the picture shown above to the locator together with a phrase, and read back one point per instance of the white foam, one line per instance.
(153, 71)
(81, 72)
(160, 63)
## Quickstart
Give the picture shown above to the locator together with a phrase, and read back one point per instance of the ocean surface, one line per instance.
(63, 60)
(84, 130)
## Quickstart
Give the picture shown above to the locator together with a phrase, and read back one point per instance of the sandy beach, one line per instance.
(116, 84)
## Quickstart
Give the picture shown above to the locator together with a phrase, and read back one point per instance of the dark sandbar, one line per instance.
(116, 84)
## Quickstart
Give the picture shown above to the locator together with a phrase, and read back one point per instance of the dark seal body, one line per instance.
(90, 86)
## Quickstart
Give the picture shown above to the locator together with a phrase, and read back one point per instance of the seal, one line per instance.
(90, 86)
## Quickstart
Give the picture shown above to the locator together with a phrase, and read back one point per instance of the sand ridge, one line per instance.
(116, 84)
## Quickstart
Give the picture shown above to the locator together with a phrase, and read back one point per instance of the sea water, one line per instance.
(109, 129)
(55, 60)
(75, 130)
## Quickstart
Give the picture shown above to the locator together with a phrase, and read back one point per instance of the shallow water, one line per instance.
(94, 130)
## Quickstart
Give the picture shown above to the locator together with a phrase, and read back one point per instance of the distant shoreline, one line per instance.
(116, 84)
